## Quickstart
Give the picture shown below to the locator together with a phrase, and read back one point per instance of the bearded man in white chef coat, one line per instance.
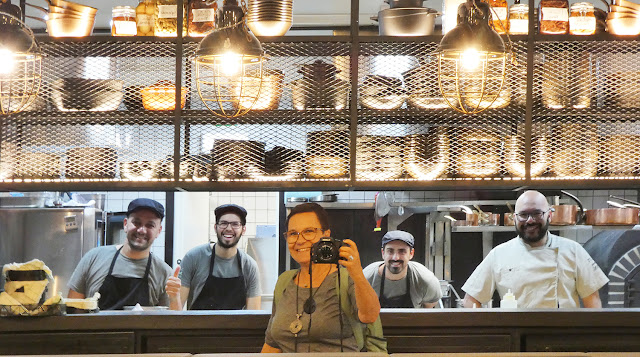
(542, 270)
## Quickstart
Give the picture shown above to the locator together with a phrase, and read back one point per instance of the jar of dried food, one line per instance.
(202, 17)
(167, 18)
(499, 15)
(145, 17)
(554, 17)
(582, 19)
(519, 19)
(123, 21)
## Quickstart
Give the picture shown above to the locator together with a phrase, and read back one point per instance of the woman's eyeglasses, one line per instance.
(307, 233)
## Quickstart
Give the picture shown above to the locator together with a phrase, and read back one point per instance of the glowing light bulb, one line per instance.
(470, 60)
(231, 64)
(7, 58)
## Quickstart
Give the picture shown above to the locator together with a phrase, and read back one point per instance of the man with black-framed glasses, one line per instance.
(542, 270)
(221, 276)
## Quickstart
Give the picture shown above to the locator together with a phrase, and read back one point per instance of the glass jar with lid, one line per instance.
(167, 18)
(145, 17)
(554, 17)
(123, 21)
(582, 19)
(202, 17)
(499, 15)
(519, 19)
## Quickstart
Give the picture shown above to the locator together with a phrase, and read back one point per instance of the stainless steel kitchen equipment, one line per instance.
(416, 21)
(57, 236)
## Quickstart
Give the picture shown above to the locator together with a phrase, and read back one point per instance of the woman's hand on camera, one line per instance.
(350, 256)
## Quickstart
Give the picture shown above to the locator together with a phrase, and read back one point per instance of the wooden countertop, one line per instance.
(391, 318)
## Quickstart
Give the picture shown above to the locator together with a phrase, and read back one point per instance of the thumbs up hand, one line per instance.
(173, 286)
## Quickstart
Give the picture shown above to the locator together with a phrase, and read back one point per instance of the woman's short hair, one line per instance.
(321, 213)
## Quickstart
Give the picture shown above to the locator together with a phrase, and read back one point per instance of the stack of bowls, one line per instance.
(270, 17)
(70, 19)
(624, 18)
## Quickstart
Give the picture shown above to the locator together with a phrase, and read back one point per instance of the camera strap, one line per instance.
(340, 311)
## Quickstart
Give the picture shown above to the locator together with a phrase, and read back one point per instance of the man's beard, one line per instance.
(134, 245)
(542, 232)
(395, 269)
(233, 243)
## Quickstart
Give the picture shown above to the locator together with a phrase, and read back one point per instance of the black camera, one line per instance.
(326, 251)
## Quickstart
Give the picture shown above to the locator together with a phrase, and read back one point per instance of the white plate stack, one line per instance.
(270, 17)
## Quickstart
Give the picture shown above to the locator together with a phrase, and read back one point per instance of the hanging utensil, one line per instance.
(615, 204)
(624, 200)
(381, 209)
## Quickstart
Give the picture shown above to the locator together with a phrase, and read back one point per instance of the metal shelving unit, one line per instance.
(542, 137)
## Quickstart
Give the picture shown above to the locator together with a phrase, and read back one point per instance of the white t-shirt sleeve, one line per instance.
(481, 283)
(589, 277)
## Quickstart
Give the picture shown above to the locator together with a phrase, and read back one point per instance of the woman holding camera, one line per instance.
(306, 315)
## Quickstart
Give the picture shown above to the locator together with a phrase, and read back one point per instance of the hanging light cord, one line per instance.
(245, 10)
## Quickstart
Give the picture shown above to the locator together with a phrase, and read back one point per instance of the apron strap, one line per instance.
(213, 255)
(384, 270)
(113, 262)
(213, 259)
(146, 272)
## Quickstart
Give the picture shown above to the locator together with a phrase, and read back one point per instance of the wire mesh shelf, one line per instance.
(91, 125)
(586, 100)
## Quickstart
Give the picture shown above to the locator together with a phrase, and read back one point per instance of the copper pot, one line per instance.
(508, 219)
(471, 219)
(564, 215)
(567, 215)
(489, 219)
(613, 216)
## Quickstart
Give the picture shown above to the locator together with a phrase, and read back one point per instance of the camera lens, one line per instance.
(325, 252)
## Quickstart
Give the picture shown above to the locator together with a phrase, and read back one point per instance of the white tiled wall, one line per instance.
(262, 209)
(118, 202)
(591, 199)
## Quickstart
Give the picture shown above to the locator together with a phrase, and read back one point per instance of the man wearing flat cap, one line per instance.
(220, 276)
(127, 274)
(398, 281)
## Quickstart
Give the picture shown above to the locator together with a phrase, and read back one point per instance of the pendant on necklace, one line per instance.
(309, 306)
(296, 326)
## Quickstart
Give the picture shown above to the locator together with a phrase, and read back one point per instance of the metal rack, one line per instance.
(569, 121)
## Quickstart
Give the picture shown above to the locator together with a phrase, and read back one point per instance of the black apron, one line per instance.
(118, 292)
(398, 301)
(221, 293)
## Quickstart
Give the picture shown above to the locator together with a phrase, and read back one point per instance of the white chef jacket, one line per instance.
(554, 275)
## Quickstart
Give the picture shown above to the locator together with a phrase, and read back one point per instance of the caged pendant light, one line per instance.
(228, 65)
(471, 60)
(20, 62)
